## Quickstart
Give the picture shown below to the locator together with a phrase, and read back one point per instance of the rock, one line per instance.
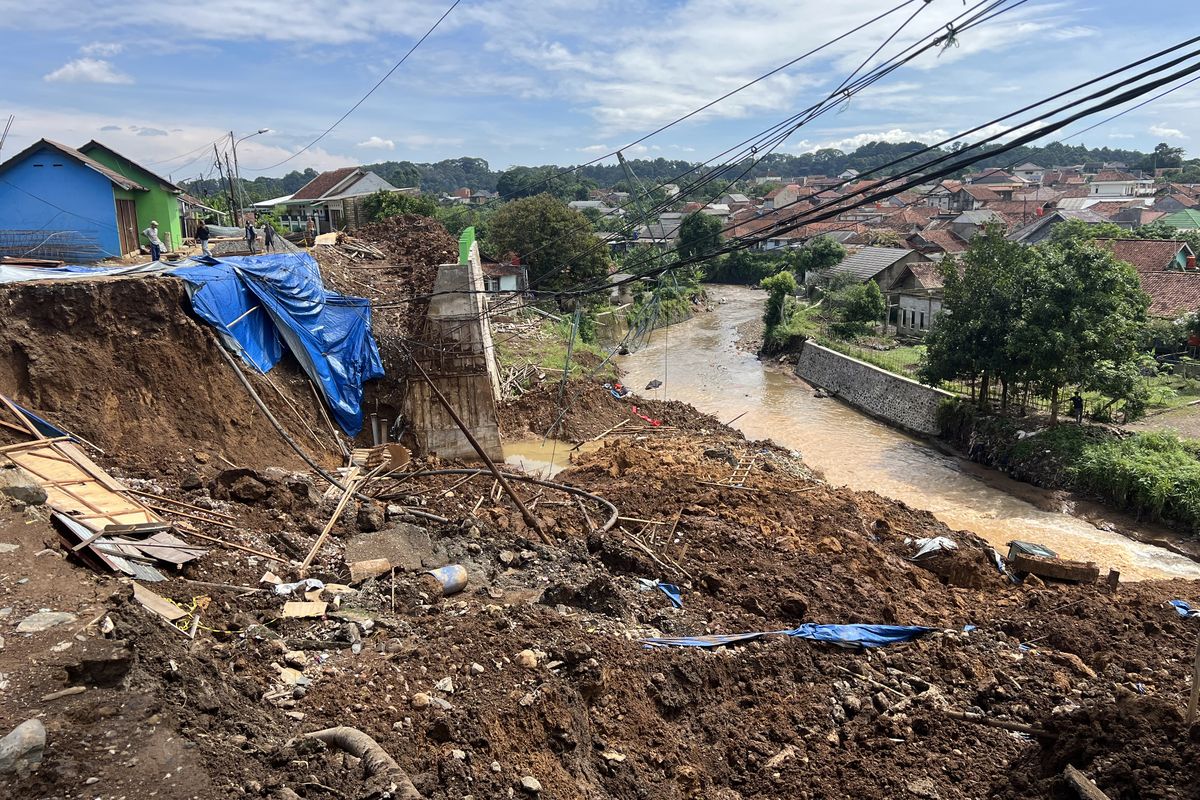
(445, 685)
(371, 518)
(296, 658)
(420, 700)
(406, 547)
(531, 784)
(248, 489)
(461, 755)
(5, 547)
(507, 557)
(191, 481)
(527, 659)
(21, 486)
(793, 606)
(44, 621)
(476, 667)
(92, 781)
(21, 750)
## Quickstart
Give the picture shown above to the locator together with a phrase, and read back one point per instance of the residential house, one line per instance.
(1110, 183)
(718, 210)
(1029, 171)
(56, 202)
(480, 196)
(661, 234)
(333, 199)
(160, 201)
(1136, 216)
(736, 201)
(599, 206)
(940, 196)
(781, 196)
(970, 197)
(503, 278)
(880, 264)
(848, 174)
(936, 243)
(969, 223)
(767, 179)
(670, 189)
(915, 298)
(1186, 220)
(1151, 255)
(1173, 202)
(1039, 229)
(996, 177)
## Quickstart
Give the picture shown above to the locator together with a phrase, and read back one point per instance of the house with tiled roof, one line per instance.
(1111, 183)
(936, 242)
(970, 197)
(781, 196)
(1151, 255)
(1137, 216)
(915, 297)
(1172, 294)
(1174, 202)
(1029, 171)
(333, 199)
(880, 264)
(1039, 230)
(970, 223)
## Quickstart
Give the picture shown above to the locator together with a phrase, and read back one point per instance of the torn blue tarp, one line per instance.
(669, 589)
(1184, 609)
(261, 303)
(842, 635)
(43, 427)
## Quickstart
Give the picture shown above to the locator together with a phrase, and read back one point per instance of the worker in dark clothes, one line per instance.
(251, 235)
(203, 234)
(1077, 407)
(268, 237)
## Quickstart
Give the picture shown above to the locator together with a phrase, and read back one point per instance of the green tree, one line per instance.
(555, 243)
(817, 255)
(1082, 321)
(856, 308)
(1163, 157)
(383, 205)
(780, 288)
(984, 302)
(699, 234)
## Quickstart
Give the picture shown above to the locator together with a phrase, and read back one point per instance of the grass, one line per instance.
(548, 349)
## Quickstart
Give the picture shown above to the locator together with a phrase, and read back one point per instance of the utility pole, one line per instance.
(232, 191)
(236, 170)
(221, 172)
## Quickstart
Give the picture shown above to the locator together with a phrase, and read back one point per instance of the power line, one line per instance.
(370, 92)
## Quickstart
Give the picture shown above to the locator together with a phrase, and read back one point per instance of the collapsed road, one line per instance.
(470, 658)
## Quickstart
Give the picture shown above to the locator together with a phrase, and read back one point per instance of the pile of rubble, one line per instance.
(436, 647)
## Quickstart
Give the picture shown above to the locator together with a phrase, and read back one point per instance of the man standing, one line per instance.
(268, 237)
(151, 234)
(202, 236)
(1077, 407)
(251, 235)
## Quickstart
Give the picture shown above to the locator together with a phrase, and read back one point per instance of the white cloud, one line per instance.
(87, 70)
(1074, 32)
(377, 143)
(595, 148)
(1167, 133)
(102, 49)
(1121, 136)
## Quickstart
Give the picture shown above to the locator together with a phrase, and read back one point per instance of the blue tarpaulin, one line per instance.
(262, 303)
(1184, 609)
(843, 635)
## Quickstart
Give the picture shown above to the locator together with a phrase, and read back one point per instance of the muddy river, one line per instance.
(699, 363)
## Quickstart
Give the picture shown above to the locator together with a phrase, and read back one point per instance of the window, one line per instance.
(491, 284)
(922, 320)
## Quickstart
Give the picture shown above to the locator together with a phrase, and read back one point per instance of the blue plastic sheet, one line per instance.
(262, 303)
(1184, 609)
(44, 427)
(842, 635)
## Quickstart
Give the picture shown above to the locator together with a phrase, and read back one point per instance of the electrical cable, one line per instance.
(370, 92)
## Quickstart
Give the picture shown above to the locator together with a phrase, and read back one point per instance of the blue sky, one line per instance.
(542, 81)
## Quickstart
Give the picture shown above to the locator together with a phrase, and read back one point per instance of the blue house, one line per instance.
(55, 202)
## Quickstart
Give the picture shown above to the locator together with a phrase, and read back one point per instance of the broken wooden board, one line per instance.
(1056, 569)
(369, 568)
(301, 609)
(157, 603)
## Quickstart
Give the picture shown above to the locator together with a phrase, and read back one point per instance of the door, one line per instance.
(127, 226)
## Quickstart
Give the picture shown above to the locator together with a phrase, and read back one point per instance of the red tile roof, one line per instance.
(1146, 255)
(981, 193)
(943, 239)
(1113, 175)
(1172, 293)
(321, 185)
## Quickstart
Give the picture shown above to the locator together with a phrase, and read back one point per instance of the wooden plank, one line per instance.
(1056, 568)
(1082, 785)
(156, 603)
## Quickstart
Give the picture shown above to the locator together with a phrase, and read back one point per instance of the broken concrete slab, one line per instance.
(406, 547)
(44, 621)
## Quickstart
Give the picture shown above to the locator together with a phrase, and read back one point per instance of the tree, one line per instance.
(1163, 157)
(699, 234)
(554, 242)
(856, 308)
(383, 205)
(1083, 319)
(816, 255)
(780, 288)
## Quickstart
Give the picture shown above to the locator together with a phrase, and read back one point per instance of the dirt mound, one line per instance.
(125, 365)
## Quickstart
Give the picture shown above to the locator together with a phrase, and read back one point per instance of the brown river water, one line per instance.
(699, 363)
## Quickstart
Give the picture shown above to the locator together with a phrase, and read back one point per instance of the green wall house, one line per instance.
(160, 202)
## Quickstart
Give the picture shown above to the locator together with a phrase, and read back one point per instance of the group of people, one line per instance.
(204, 235)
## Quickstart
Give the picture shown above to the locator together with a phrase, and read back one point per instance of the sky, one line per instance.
(551, 81)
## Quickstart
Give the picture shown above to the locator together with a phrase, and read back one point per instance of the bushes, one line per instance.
(1154, 475)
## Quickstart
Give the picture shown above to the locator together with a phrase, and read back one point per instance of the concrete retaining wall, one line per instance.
(894, 399)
